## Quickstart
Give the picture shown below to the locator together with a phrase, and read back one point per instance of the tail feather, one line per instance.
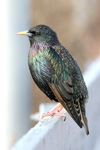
(85, 124)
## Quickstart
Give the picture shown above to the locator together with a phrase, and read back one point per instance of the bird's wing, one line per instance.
(63, 90)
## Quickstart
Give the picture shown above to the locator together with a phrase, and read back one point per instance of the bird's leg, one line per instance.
(54, 112)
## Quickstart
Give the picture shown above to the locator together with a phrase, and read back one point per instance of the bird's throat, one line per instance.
(37, 47)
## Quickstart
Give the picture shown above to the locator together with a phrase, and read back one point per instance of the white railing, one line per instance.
(53, 133)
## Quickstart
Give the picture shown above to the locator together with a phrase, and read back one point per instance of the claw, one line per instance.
(54, 112)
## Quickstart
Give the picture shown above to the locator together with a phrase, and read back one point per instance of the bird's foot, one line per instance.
(54, 112)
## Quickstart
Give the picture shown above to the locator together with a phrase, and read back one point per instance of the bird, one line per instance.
(57, 74)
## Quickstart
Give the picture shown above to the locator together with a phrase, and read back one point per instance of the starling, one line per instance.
(57, 74)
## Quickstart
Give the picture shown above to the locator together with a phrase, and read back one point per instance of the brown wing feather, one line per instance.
(64, 94)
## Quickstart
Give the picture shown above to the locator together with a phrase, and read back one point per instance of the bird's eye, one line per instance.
(35, 32)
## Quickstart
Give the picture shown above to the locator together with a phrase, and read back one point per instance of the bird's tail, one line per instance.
(85, 124)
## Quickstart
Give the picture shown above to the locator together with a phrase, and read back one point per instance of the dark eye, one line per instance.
(35, 32)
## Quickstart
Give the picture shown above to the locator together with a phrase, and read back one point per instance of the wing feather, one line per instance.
(65, 97)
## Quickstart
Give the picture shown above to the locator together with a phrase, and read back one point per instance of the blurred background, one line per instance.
(77, 24)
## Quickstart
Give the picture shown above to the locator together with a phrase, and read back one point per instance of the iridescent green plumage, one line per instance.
(56, 73)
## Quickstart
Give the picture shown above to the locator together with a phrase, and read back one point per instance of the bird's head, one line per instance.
(41, 34)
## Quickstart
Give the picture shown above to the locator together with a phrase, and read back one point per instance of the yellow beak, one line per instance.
(22, 33)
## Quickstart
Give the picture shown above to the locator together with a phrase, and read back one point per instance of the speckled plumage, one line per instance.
(56, 73)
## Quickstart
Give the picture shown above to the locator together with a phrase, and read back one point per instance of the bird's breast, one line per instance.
(38, 65)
